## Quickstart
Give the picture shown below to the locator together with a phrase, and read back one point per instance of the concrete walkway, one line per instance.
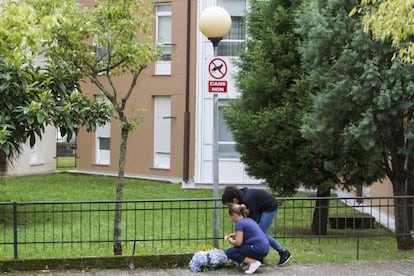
(389, 268)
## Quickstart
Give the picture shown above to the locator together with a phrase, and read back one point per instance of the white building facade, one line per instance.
(216, 73)
(39, 159)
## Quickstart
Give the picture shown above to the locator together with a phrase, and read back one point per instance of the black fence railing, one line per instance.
(85, 228)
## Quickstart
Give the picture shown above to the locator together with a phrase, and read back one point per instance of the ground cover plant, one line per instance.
(156, 221)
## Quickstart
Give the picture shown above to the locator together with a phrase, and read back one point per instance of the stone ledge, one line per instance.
(85, 263)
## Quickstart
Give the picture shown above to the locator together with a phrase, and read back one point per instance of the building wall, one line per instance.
(380, 188)
(140, 148)
(37, 160)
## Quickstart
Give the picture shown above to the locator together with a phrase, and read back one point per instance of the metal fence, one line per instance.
(85, 228)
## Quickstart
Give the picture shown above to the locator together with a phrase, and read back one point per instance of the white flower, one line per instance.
(208, 260)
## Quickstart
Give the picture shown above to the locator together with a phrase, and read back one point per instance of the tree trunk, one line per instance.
(120, 191)
(359, 188)
(320, 213)
(3, 163)
(404, 224)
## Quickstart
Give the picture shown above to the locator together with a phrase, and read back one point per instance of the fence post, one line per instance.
(357, 247)
(15, 229)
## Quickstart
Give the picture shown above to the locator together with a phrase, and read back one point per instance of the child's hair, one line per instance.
(230, 192)
(239, 209)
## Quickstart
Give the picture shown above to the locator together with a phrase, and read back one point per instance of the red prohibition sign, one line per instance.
(217, 68)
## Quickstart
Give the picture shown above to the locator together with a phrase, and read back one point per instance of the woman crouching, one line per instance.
(251, 244)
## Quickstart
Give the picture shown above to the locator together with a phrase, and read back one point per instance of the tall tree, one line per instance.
(103, 42)
(364, 106)
(390, 19)
(265, 120)
(99, 43)
(33, 93)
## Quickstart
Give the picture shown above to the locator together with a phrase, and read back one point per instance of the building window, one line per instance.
(163, 36)
(33, 155)
(226, 143)
(162, 132)
(103, 144)
(233, 42)
(102, 56)
(102, 53)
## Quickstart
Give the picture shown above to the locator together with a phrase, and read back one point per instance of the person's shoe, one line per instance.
(245, 267)
(253, 267)
(284, 258)
(236, 264)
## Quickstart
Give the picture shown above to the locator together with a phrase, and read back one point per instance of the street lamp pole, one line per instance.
(215, 23)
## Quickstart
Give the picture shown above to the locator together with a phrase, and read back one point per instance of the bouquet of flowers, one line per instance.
(208, 260)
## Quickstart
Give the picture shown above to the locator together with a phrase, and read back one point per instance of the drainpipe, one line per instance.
(186, 153)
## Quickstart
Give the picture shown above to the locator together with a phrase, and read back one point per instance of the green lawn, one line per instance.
(76, 187)
(68, 186)
(65, 162)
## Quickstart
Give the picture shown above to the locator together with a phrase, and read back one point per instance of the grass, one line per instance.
(76, 187)
(73, 187)
(66, 163)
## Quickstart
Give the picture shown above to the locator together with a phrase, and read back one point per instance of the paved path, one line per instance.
(389, 268)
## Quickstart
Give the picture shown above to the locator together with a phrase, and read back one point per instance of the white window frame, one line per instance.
(237, 10)
(99, 49)
(162, 132)
(33, 155)
(103, 154)
(163, 65)
(226, 143)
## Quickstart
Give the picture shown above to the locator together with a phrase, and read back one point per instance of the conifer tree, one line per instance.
(364, 105)
(266, 119)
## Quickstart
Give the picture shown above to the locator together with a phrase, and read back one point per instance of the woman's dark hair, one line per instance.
(239, 210)
(230, 192)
